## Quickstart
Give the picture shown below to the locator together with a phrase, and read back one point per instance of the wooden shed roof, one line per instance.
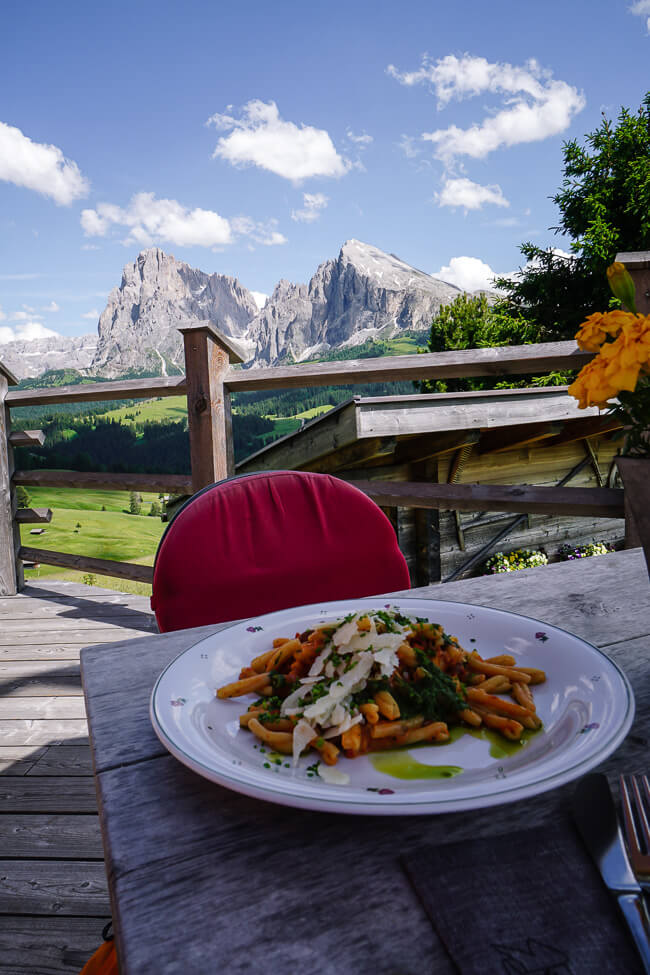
(403, 429)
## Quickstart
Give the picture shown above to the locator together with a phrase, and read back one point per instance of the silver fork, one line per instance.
(635, 799)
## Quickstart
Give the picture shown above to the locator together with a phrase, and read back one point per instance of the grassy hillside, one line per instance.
(110, 534)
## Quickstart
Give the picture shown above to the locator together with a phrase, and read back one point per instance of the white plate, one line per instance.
(586, 706)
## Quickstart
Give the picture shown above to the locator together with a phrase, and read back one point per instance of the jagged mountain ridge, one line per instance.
(138, 329)
(362, 293)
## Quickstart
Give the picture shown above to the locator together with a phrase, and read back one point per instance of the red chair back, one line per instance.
(263, 542)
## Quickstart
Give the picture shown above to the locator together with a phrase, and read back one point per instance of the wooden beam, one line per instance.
(34, 516)
(591, 426)
(634, 474)
(509, 438)
(417, 449)
(9, 566)
(208, 355)
(173, 483)
(26, 438)
(505, 360)
(354, 455)
(83, 563)
(96, 392)
(638, 264)
(528, 499)
(8, 374)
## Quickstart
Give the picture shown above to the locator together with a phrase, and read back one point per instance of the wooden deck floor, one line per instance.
(53, 893)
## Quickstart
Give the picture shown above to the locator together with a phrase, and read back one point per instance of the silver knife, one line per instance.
(594, 813)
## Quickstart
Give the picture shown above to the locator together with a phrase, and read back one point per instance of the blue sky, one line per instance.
(254, 139)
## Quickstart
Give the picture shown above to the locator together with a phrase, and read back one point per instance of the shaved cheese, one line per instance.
(303, 733)
(345, 632)
(388, 661)
(344, 726)
(332, 776)
(292, 701)
(347, 684)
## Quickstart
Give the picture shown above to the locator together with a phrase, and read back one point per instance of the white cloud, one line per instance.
(93, 313)
(2, 314)
(260, 298)
(409, 147)
(25, 332)
(261, 233)
(38, 166)
(467, 273)
(150, 220)
(642, 9)
(463, 192)
(537, 106)
(51, 307)
(261, 138)
(362, 140)
(313, 203)
(23, 316)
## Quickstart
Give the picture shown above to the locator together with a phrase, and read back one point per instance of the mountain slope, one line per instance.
(364, 293)
(138, 329)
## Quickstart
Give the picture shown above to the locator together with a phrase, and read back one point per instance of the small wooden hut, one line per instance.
(506, 436)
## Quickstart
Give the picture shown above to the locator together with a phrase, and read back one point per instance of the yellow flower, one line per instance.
(593, 387)
(622, 284)
(594, 331)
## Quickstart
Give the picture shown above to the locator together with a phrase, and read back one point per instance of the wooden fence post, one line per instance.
(208, 355)
(11, 568)
(638, 264)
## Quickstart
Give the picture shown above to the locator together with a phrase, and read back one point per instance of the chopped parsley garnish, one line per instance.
(434, 695)
(318, 691)
(278, 681)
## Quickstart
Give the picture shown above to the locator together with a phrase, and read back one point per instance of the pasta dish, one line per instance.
(379, 680)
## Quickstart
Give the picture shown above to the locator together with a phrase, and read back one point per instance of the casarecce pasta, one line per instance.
(378, 680)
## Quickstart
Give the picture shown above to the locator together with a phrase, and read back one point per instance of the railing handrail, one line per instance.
(208, 383)
(494, 361)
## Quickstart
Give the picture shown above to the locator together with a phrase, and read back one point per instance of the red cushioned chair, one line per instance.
(262, 542)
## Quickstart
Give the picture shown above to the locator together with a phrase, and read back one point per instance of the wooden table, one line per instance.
(206, 880)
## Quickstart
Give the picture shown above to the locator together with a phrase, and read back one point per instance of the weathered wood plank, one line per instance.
(55, 887)
(634, 473)
(499, 441)
(506, 360)
(34, 516)
(45, 731)
(420, 448)
(8, 567)
(41, 678)
(26, 438)
(351, 456)
(23, 637)
(208, 355)
(43, 794)
(61, 760)
(84, 563)
(333, 431)
(175, 483)
(51, 836)
(598, 502)
(16, 760)
(589, 427)
(41, 708)
(114, 622)
(96, 392)
(48, 945)
(59, 651)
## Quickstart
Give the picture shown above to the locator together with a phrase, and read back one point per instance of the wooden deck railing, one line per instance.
(208, 383)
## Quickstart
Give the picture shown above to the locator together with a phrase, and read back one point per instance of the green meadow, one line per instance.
(79, 526)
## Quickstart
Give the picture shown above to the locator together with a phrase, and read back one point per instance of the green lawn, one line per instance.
(166, 409)
(83, 500)
(109, 534)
